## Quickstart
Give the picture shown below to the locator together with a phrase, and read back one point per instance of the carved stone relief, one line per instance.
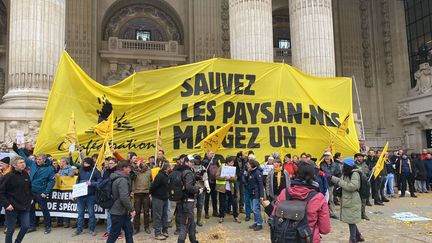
(388, 57)
(367, 63)
(423, 76)
(29, 128)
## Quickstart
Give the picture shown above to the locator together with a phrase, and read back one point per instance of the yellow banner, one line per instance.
(273, 107)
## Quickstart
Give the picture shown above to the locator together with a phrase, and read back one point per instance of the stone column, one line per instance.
(251, 30)
(36, 41)
(311, 29)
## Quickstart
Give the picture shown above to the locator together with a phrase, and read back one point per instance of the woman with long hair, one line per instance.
(350, 203)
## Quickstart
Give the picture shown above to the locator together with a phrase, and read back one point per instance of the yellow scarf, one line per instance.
(279, 175)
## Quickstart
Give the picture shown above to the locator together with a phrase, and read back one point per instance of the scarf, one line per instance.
(279, 175)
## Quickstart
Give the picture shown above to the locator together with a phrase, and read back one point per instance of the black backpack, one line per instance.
(364, 189)
(103, 193)
(176, 185)
(290, 223)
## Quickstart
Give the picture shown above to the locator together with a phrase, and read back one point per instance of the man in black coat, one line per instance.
(17, 203)
(420, 174)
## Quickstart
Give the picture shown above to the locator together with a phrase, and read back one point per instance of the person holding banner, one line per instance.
(90, 175)
(42, 177)
(17, 203)
(65, 170)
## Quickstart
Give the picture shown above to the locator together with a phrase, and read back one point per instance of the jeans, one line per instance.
(169, 213)
(109, 222)
(120, 222)
(86, 202)
(11, 218)
(256, 208)
(142, 200)
(200, 205)
(390, 182)
(247, 200)
(187, 222)
(420, 185)
(160, 222)
(43, 206)
(213, 195)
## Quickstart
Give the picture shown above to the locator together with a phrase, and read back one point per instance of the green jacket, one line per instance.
(363, 167)
(121, 189)
(350, 202)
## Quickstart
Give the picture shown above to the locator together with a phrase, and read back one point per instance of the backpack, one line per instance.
(176, 185)
(290, 223)
(103, 193)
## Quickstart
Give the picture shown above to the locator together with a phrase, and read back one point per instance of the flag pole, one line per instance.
(360, 109)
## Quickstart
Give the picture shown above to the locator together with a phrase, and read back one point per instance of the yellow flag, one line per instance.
(342, 131)
(104, 152)
(71, 135)
(214, 140)
(158, 138)
(105, 129)
(381, 161)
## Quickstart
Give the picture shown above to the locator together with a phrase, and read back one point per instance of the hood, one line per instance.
(118, 174)
(299, 192)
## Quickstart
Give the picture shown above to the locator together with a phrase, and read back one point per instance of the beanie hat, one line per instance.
(5, 160)
(349, 161)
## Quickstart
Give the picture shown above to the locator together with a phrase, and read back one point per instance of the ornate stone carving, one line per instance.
(32, 132)
(225, 29)
(10, 135)
(367, 63)
(126, 20)
(423, 76)
(403, 110)
(388, 58)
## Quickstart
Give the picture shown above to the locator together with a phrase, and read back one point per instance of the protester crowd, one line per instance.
(151, 187)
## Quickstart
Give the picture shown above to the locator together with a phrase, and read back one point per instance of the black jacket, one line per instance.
(15, 189)
(256, 185)
(159, 187)
(190, 187)
(420, 169)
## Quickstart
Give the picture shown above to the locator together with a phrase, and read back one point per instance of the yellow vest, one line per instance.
(221, 182)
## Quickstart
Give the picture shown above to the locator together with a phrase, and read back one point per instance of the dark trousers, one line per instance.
(404, 179)
(187, 222)
(11, 219)
(222, 203)
(382, 184)
(354, 232)
(375, 185)
(240, 191)
(43, 206)
(213, 195)
(142, 200)
(160, 215)
(200, 205)
(120, 222)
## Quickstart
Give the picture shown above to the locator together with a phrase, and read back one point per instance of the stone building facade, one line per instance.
(111, 39)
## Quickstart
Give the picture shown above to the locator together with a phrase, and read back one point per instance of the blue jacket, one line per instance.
(68, 171)
(42, 177)
(428, 164)
(84, 175)
(256, 185)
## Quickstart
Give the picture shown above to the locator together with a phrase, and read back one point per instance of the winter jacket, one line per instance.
(42, 177)
(221, 182)
(255, 182)
(190, 187)
(400, 163)
(84, 175)
(142, 181)
(371, 162)
(363, 168)
(67, 171)
(121, 189)
(159, 187)
(291, 167)
(428, 165)
(350, 202)
(331, 169)
(317, 209)
(420, 170)
(390, 167)
(270, 182)
(15, 189)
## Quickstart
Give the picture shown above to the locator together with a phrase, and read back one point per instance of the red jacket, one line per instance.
(291, 168)
(317, 210)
